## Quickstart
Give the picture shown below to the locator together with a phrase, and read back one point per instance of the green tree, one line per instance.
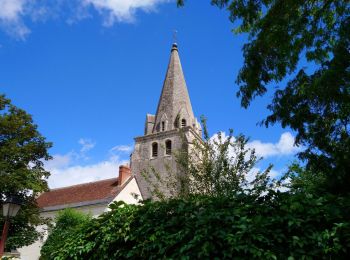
(22, 151)
(316, 105)
(222, 166)
(215, 166)
(67, 222)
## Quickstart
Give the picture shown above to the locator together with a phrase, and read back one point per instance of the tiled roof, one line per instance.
(92, 191)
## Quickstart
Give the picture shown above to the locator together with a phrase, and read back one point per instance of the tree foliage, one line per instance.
(67, 222)
(22, 151)
(315, 104)
(275, 226)
(222, 165)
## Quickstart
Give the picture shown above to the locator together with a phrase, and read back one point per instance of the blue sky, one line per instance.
(89, 71)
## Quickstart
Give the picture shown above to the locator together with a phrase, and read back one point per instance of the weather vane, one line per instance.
(175, 36)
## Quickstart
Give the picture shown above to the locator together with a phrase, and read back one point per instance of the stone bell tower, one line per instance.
(165, 131)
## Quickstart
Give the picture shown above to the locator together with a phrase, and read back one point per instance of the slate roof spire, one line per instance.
(174, 107)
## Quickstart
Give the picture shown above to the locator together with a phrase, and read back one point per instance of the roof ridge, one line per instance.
(82, 184)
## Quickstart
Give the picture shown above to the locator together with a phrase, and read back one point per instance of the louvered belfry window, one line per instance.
(154, 150)
(168, 147)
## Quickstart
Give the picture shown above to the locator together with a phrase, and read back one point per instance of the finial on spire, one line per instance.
(174, 47)
(174, 36)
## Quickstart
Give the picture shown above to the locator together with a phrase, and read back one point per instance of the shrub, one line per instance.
(275, 226)
(67, 222)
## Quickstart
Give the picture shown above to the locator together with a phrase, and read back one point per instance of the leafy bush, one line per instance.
(275, 226)
(67, 222)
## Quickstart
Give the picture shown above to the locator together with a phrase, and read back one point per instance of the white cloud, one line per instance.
(72, 168)
(121, 10)
(285, 146)
(75, 174)
(11, 9)
(122, 148)
(14, 13)
(59, 161)
(11, 12)
(86, 145)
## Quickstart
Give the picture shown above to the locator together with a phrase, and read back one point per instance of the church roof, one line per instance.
(174, 98)
(79, 195)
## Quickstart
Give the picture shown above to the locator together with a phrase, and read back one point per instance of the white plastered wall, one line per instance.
(128, 193)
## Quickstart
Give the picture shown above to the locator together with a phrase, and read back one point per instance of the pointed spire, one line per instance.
(174, 107)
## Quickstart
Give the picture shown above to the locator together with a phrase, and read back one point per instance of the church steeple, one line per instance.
(163, 137)
(174, 107)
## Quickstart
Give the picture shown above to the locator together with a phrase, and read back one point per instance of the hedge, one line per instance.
(276, 226)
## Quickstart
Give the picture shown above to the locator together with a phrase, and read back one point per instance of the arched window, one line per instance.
(168, 147)
(176, 123)
(163, 126)
(183, 122)
(154, 150)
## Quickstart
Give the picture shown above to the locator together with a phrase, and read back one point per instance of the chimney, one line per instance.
(124, 174)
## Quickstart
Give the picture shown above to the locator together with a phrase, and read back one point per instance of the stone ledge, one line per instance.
(164, 134)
